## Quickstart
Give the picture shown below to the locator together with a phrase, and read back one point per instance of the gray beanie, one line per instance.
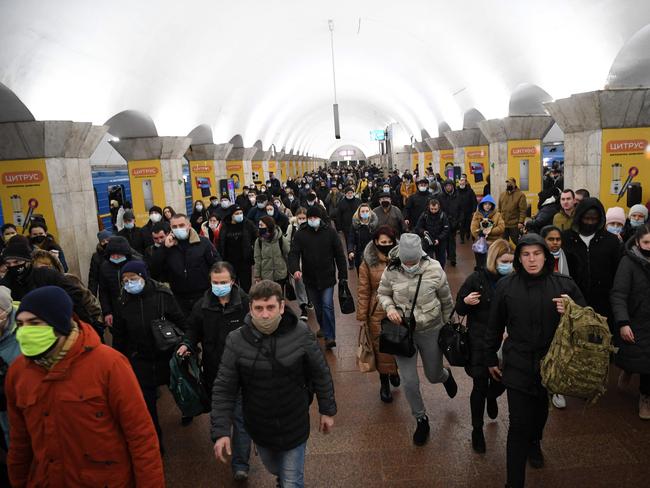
(5, 298)
(638, 208)
(410, 248)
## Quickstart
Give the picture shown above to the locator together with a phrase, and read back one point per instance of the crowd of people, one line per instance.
(78, 412)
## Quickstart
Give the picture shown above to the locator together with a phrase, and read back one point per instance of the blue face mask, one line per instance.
(636, 223)
(129, 225)
(239, 218)
(411, 269)
(180, 234)
(614, 230)
(504, 268)
(117, 260)
(134, 287)
(314, 223)
(221, 290)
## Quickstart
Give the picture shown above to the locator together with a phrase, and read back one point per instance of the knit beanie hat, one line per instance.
(128, 215)
(314, 211)
(638, 208)
(615, 214)
(118, 245)
(410, 248)
(18, 248)
(5, 298)
(103, 235)
(50, 304)
(137, 267)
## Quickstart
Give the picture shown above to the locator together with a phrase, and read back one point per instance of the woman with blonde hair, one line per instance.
(473, 301)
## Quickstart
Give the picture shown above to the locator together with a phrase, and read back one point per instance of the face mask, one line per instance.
(35, 340)
(239, 218)
(252, 200)
(557, 253)
(199, 208)
(261, 205)
(314, 223)
(180, 234)
(504, 268)
(214, 203)
(267, 326)
(411, 269)
(384, 248)
(155, 217)
(386, 188)
(225, 203)
(157, 244)
(587, 229)
(16, 271)
(614, 230)
(349, 197)
(306, 187)
(364, 215)
(117, 260)
(290, 198)
(510, 187)
(263, 189)
(644, 252)
(134, 287)
(221, 290)
(39, 239)
(423, 188)
(264, 232)
(129, 225)
(636, 223)
(213, 225)
(385, 204)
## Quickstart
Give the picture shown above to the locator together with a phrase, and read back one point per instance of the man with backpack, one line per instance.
(529, 302)
(275, 361)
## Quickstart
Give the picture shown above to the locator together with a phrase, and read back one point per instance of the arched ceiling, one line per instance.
(262, 70)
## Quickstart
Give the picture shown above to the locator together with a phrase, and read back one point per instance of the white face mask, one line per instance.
(199, 208)
(155, 217)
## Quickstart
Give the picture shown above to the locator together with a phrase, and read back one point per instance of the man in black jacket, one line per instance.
(132, 233)
(319, 249)
(96, 261)
(467, 199)
(451, 205)
(593, 255)
(529, 302)
(273, 359)
(345, 210)
(221, 310)
(417, 203)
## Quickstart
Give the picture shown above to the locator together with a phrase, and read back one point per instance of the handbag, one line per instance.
(398, 339)
(289, 291)
(480, 246)
(166, 335)
(454, 342)
(365, 352)
(186, 386)
(346, 302)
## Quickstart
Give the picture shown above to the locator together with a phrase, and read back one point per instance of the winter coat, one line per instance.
(392, 218)
(630, 306)
(483, 282)
(96, 261)
(133, 336)
(415, 206)
(255, 214)
(562, 221)
(368, 309)
(135, 238)
(210, 234)
(545, 215)
(436, 225)
(345, 211)
(271, 257)
(360, 235)
(524, 305)
(239, 237)
(332, 203)
(397, 289)
(197, 218)
(406, 189)
(451, 204)
(275, 401)
(82, 423)
(9, 351)
(467, 199)
(498, 225)
(210, 323)
(319, 252)
(593, 268)
(188, 265)
(110, 286)
(513, 207)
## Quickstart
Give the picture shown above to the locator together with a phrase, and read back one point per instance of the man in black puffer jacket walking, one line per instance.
(452, 206)
(275, 360)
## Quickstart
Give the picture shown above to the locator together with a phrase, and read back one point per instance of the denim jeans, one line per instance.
(241, 441)
(301, 293)
(323, 301)
(288, 466)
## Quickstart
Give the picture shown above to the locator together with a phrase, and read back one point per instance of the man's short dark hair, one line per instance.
(583, 193)
(569, 190)
(179, 216)
(264, 290)
(221, 266)
(158, 226)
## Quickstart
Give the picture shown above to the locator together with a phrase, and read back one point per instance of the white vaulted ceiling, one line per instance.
(262, 69)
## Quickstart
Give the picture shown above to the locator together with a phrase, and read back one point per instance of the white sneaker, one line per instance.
(559, 401)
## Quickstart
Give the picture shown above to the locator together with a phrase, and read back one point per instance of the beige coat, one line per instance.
(498, 226)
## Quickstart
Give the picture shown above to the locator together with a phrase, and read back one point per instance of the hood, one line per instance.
(587, 204)
(528, 240)
(372, 256)
(449, 181)
(632, 251)
(488, 199)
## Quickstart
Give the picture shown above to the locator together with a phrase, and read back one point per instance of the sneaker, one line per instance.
(240, 475)
(478, 441)
(492, 408)
(450, 385)
(624, 380)
(535, 456)
(330, 343)
(395, 380)
(559, 401)
(644, 407)
(421, 434)
(303, 313)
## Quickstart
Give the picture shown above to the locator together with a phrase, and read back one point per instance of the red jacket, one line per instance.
(82, 423)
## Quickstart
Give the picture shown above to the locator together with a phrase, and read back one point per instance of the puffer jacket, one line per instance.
(360, 235)
(368, 309)
(397, 289)
(271, 257)
(275, 397)
(630, 306)
(436, 225)
(452, 205)
(498, 224)
(513, 206)
(406, 189)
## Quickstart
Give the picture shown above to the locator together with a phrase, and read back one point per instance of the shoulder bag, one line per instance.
(166, 335)
(398, 339)
(453, 341)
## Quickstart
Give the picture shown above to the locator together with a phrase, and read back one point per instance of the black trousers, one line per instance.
(528, 415)
(483, 388)
(451, 244)
(511, 233)
(644, 384)
(465, 225)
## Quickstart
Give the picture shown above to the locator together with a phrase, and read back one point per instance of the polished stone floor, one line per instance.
(370, 446)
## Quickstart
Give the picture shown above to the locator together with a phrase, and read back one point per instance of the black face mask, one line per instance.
(644, 252)
(385, 204)
(510, 187)
(587, 229)
(38, 239)
(16, 272)
(384, 248)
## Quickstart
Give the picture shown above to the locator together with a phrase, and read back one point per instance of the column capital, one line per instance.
(438, 143)
(466, 137)
(208, 152)
(242, 154)
(141, 148)
(519, 127)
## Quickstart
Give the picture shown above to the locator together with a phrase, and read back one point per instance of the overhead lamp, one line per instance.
(337, 127)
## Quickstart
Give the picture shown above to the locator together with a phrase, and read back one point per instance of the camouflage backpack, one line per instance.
(577, 363)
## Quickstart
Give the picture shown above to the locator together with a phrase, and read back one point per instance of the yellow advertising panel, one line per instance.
(24, 192)
(625, 166)
(525, 165)
(284, 174)
(415, 159)
(447, 164)
(477, 167)
(273, 168)
(147, 188)
(235, 170)
(257, 167)
(202, 180)
(428, 160)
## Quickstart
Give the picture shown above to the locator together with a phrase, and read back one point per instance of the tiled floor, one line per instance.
(603, 446)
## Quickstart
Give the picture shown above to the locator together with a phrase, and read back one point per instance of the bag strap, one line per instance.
(415, 298)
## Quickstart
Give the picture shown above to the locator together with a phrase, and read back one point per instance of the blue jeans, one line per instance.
(323, 301)
(288, 466)
(241, 442)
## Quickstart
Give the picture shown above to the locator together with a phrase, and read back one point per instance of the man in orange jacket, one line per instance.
(76, 413)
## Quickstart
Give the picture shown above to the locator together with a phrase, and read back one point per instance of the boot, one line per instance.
(478, 440)
(535, 455)
(492, 407)
(421, 434)
(384, 391)
(644, 407)
(395, 380)
(450, 385)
